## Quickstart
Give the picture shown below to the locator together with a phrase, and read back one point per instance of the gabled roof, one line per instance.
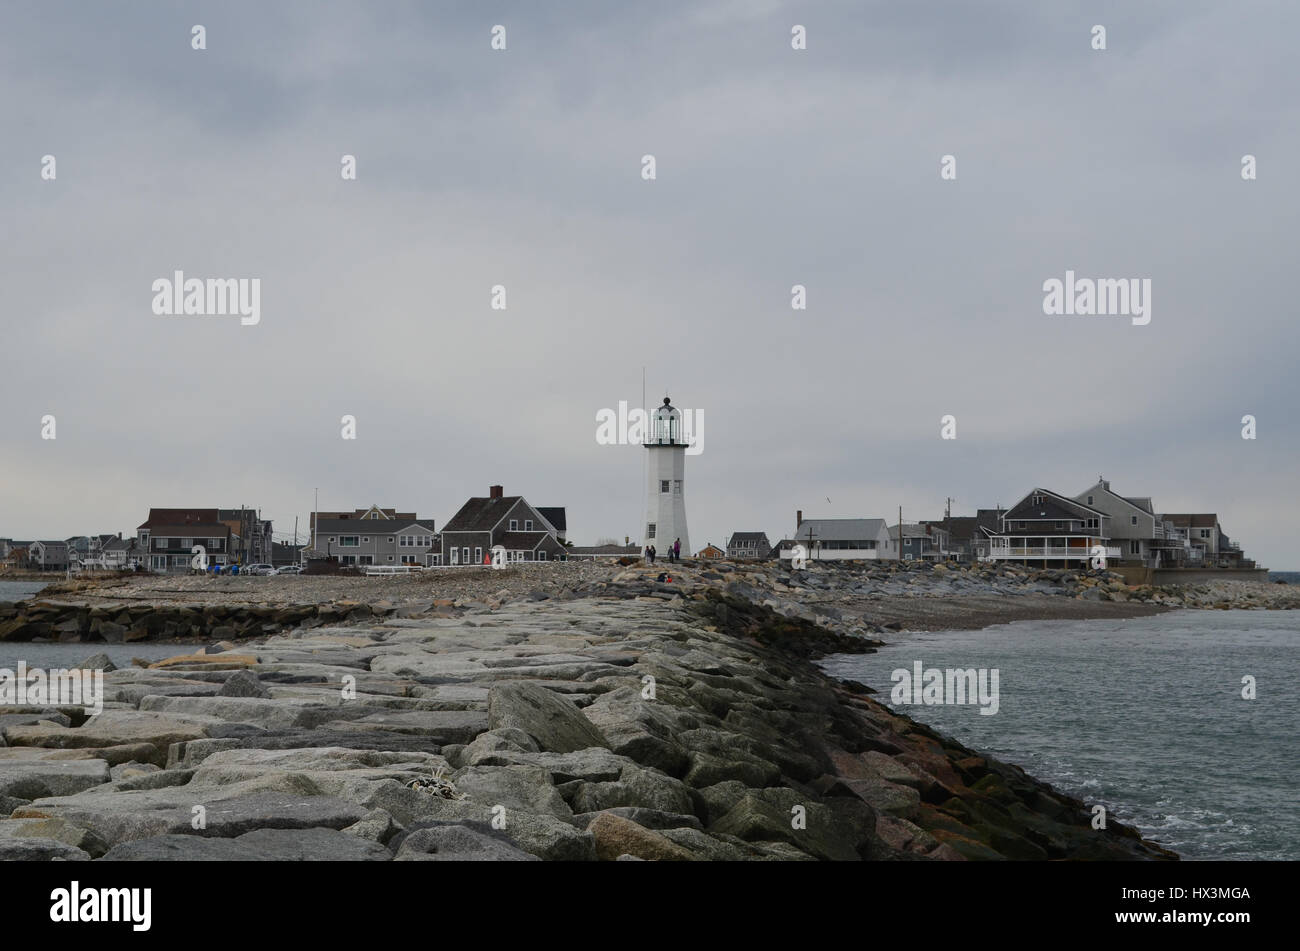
(481, 514)
(169, 518)
(913, 529)
(1053, 506)
(840, 529)
(959, 527)
(555, 515)
(525, 541)
(1201, 520)
(426, 523)
(748, 537)
(366, 526)
(1141, 503)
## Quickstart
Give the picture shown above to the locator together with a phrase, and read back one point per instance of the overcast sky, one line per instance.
(523, 168)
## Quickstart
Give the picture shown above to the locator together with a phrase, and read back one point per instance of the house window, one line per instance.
(464, 554)
(514, 525)
(650, 530)
(349, 559)
(478, 556)
(1133, 519)
(435, 559)
(528, 524)
(366, 540)
(347, 541)
(541, 556)
(1135, 547)
(368, 559)
(1090, 500)
(1205, 533)
(331, 540)
(390, 539)
(663, 485)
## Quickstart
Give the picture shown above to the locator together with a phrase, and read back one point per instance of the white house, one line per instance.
(841, 539)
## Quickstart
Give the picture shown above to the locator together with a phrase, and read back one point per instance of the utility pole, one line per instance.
(947, 520)
(900, 536)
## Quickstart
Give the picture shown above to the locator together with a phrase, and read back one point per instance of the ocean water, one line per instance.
(1145, 716)
(1290, 577)
(19, 590)
(55, 655)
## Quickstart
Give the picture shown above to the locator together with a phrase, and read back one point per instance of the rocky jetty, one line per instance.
(617, 717)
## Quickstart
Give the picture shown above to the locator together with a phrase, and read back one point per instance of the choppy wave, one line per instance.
(1144, 716)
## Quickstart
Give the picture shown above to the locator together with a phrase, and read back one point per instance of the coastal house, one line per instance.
(1049, 530)
(1207, 544)
(375, 536)
(554, 514)
(711, 552)
(286, 554)
(119, 552)
(1135, 528)
(254, 534)
(746, 545)
(920, 541)
(841, 539)
(13, 551)
(48, 555)
(510, 521)
(166, 537)
(968, 535)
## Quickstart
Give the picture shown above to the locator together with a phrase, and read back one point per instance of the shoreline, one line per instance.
(536, 705)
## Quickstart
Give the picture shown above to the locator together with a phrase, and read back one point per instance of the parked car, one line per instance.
(289, 570)
(259, 570)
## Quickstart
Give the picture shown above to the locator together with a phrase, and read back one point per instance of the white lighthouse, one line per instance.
(665, 505)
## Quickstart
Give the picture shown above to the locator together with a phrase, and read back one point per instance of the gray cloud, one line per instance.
(522, 168)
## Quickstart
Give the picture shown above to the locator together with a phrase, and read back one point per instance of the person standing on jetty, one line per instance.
(677, 550)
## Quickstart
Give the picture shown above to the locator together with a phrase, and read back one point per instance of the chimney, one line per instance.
(495, 492)
(798, 518)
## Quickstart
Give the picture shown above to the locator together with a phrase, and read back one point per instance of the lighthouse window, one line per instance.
(650, 530)
(677, 486)
(663, 485)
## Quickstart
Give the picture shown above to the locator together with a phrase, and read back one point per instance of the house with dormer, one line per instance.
(375, 536)
(1048, 530)
(485, 522)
